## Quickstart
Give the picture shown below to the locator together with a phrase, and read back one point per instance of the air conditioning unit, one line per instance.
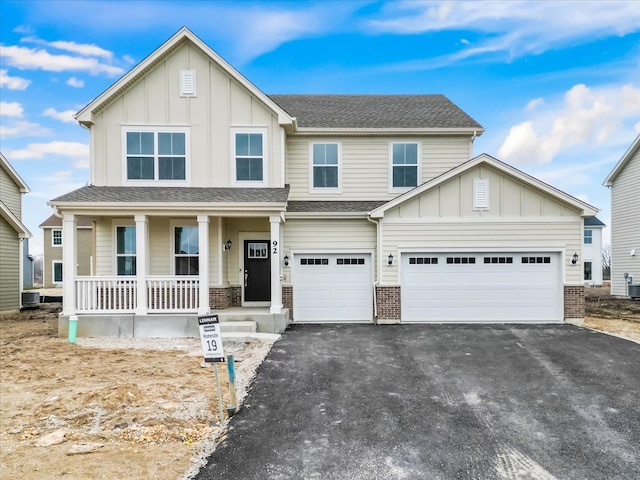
(634, 291)
(30, 299)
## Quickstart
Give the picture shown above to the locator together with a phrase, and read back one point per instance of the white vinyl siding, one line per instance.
(625, 226)
(10, 194)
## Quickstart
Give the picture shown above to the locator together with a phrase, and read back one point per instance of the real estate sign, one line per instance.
(211, 339)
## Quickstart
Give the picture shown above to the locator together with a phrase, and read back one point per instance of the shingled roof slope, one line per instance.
(54, 221)
(375, 111)
(332, 207)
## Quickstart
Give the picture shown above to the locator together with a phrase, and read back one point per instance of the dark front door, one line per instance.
(257, 271)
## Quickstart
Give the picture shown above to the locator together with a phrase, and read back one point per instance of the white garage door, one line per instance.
(332, 288)
(479, 287)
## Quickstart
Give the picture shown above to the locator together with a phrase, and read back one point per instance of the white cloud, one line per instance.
(514, 28)
(13, 83)
(23, 128)
(11, 109)
(34, 59)
(66, 116)
(129, 59)
(75, 82)
(84, 49)
(535, 103)
(23, 29)
(585, 116)
(84, 163)
(37, 151)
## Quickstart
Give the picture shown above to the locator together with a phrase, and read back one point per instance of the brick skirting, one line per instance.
(287, 298)
(225, 297)
(574, 301)
(388, 303)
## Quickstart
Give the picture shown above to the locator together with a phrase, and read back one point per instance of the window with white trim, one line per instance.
(588, 237)
(325, 165)
(125, 250)
(404, 165)
(56, 270)
(480, 194)
(155, 155)
(56, 238)
(186, 250)
(249, 156)
(588, 270)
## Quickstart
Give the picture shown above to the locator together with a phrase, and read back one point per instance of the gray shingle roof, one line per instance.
(174, 195)
(54, 221)
(593, 222)
(332, 207)
(375, 111)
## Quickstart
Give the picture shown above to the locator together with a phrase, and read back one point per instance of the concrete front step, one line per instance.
(250, 337)
(238, 327)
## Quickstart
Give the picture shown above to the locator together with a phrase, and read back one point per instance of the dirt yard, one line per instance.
(108, 409)
(143, 409)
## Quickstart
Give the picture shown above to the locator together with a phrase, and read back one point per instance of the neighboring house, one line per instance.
(207, 194)
(28, 265)
(624, 182)
(12, 235)
(53, 242)
(592, 251)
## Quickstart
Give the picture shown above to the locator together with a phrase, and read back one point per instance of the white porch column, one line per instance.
(203, 262)
(142, 263)
(276, 286)
(69, 264)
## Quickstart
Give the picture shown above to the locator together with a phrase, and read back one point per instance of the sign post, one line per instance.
(212, 350)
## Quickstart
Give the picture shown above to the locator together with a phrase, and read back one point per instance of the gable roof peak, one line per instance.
(635, 146)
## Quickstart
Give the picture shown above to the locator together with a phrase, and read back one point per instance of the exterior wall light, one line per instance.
(286, 260)
(574, 260)
(390, 259)
(227, 245)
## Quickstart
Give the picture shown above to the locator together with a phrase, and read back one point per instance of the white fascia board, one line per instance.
(623, 161)
(18, 226)
(586, 209)
(339, 215)
(17, 179)
(305, 131)
(85, 115)
(102, 209)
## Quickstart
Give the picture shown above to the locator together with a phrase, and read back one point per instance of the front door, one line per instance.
(257, 271)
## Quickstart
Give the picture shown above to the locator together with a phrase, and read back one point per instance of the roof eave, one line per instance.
(302, 215)
(169, 207)
(18, 226)
(622, 162)
(467, 131)
(15, 176)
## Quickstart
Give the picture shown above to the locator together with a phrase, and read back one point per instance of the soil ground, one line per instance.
(147, 408)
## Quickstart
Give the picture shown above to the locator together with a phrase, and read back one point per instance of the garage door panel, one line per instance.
(470, 287)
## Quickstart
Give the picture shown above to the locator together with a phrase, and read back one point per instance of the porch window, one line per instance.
(126, 250)
(249, 157)
(57, 272)
(56, 238)
(155, 155)
(404, 160)
(186, 250)
(325, 165)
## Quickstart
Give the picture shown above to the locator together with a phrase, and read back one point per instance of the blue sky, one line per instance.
(556, 84)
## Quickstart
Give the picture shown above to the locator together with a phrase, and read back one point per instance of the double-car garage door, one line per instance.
(481, 287)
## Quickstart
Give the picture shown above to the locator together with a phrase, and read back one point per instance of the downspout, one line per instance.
(379, 269)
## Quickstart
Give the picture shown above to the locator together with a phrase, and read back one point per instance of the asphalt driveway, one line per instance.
(438, 401)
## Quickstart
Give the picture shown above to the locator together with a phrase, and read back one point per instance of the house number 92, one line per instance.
(275, 247)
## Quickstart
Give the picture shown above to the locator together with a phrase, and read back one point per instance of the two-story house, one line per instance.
(624, 182)
(207, 194)
(592, 251)
(12, 236)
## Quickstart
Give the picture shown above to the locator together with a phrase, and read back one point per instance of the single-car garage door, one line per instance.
(481, 287)
(332, 288)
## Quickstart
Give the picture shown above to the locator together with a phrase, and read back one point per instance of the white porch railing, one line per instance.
(117, 294)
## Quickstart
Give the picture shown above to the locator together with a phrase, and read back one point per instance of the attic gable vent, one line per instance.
(188, 83)
(480, 193)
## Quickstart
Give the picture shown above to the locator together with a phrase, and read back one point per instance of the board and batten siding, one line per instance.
(365, 164)
(625, 225)
(519, 217)
(10, 194)
(10, 271)
(327, 236)
(220, 105)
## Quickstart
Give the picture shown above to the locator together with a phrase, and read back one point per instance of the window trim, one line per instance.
(53, 272)
(155, 129)
(325, 190)
(173, 224)
(393, 189)
(585, 236)
(53, 237)
(265, 157)
(116, 255)
(584, 270)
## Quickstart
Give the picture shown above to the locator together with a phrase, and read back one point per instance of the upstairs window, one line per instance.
(155, 155)
(126, 250)
(404, 165)
(325, 165)
(186, 250)
(249, 157)
(56, 238)
(588, 237)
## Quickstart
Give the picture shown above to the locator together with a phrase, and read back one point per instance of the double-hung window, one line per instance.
(325, 164)
(56, 238)
(588, 237)
(57, 271)
(126, 250)
(156, 155)
(404, 165)
(185, 250)
(249, 156)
